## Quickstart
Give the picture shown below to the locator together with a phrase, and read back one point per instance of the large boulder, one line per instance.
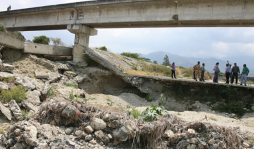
(97, 124)
(121, 134)
(4, 75)
(34, 97)
(71, 114)
(29, 83)
(41, 75)
(7, 67)
(15, 109)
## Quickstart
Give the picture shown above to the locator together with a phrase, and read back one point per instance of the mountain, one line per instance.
(188, 62)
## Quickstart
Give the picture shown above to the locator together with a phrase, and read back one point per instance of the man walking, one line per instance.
(227, 71)
(202, 72)
(196, 71)
(235, 72)
(244, 74)
(216, 72)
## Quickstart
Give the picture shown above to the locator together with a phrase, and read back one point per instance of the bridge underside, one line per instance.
(152, 24)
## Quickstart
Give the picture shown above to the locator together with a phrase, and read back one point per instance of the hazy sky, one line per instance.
(190, 42)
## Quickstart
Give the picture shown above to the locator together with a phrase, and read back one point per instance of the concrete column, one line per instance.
(82, 34)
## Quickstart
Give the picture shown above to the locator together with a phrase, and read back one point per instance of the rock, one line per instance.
(89, 129)
(131, 127)
(4, 75)
(182, 144)
(191, 131)
(6, 112)
(80, 134)
(215, 146)
(16, 110)
(193, 140)
(88, 138)
(246, 145)
(106, 117)
(99, 134)
(98, 124)
(30, 135)
(93, 141)
(34, 97)
(54, 77)
(121, 134)
(80, 77)
(168, 133)
(28, 106)
(29, 83)
(7, 67)
(211, 141)
(71, 112)
(113, 124)
(70, 74)
(110, 136)
(44, 91)
(3, 86)
(65, 67)
(68, 131)
(191, 146)
(252, 108)
(201, 146)
(41, 75)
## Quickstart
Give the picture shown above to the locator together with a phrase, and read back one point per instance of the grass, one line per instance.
(110, 101)
(51, 92)
(71, 95)
(1, 130)
(17, 93)
(9, 79)
(72, 85)
(212, 118)
(25, 113)
(135, 113)
(251, 138)
(179, 114)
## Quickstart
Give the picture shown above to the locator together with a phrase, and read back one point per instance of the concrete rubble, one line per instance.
(63, 121)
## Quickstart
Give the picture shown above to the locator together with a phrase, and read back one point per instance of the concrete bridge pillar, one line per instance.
(82, 34)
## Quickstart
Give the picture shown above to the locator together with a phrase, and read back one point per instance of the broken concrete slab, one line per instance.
(41, 75)
(6, 68)
(6, 112)
(15, 109)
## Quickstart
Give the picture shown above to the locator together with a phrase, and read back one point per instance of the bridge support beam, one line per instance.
(82, 34)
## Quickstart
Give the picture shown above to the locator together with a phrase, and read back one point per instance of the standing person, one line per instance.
(227, 73)
(202, 72)
(216, 72)
(244, 74)
(173, 68)
(196, 71)
(230, 71)
(235, 72)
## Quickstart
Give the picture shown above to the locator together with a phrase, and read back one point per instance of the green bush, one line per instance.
(51, 92)
(2, 27)
(103, 48)
(41, 39)
(17, 93)
(135, 56)
(151, 113)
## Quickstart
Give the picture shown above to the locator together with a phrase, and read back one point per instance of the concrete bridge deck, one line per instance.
(133, 14)
(11, 41)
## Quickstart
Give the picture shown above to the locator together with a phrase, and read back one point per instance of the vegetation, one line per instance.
(17, 93)
(41, 39)
(25, 113)
(155, 62)
(135, 56)
(9, 79)
(2, 27)
(75, 85)
(135, 113)
(57, 41)
(151, 113)
(71, 95)
(103, 48)
(166, 61)
(51, 92)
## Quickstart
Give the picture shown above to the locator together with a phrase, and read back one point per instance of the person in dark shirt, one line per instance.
(9, 8)
(235, 71)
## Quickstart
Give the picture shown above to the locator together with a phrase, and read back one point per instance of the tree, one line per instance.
(166, 61)
(57, 41)
(41, 39)
(155, 62)
(104, 48)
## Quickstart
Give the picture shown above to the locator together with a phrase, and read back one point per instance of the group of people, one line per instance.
(230, 73)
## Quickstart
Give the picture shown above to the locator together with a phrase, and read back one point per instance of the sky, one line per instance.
(218, 43)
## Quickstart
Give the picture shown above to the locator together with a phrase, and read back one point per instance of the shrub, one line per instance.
(151, 113)
(135, 56)
(2, 27)
(41, 39)
(75, 85)
(17, 93)
(57, 41)
(9, 79)
(103, 48)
